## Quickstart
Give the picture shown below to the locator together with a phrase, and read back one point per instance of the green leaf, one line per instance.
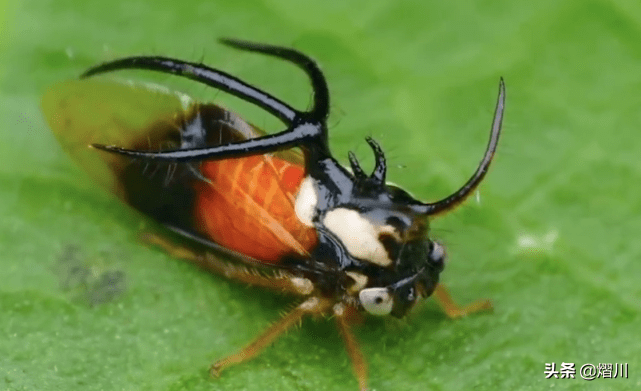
(553, 241)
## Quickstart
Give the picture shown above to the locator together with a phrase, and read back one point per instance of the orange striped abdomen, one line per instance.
(249, 207)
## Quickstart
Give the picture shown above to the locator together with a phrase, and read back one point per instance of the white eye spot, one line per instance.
(358, 234)
(438, 251)
(376, 301)
(306, 201)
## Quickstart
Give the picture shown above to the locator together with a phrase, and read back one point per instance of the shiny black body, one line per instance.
(415, 268)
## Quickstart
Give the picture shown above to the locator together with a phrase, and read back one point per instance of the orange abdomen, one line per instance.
(249, 207)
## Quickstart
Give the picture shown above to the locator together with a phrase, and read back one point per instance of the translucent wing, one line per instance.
(151, 118)
(84, 112)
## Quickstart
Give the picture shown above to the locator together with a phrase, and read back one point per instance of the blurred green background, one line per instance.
(553, 238)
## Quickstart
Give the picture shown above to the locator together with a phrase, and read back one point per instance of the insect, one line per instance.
(271, 210)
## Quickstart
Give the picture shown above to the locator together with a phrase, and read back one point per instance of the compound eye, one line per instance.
(376, 301)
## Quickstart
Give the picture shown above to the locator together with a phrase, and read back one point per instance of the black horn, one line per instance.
(304, 128)
(380, 169)
(461, 194)
(356, 166)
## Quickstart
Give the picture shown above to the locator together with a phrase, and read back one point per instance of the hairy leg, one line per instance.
(312, 306)
(356, 356)
(279, 281)
(453, 310)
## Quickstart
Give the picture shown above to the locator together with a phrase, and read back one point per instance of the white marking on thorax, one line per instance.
(359, 235)
(306, 201)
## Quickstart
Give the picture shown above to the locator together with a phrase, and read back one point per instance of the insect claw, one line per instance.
(214, 370)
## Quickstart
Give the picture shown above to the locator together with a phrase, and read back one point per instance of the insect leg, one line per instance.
(453, 310)
(281, 281)
(356, 356)
(313, 305)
